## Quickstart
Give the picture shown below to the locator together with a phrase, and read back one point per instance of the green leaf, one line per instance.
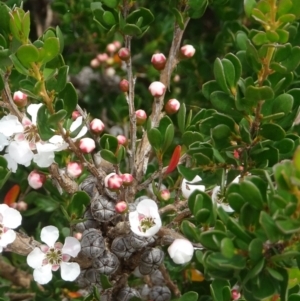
(62, 78)
(220, 77)
(57, 117)
(272, 131)
(50, 50)
(233, 226)
(80, 200)
(109, 142)
(109, 18)
(269, 226)
(227, 247)
(208, 88)
(60, 37)
(131, 30)
(190, 231)
(69, 97)
(254, 271)
(196, 8)
(237, 66)
(288, 226)
(178, 17)
(155, 138)
(4, 18)
(26, 25)
(181, 117)
(221, 131)
(168, 137)
(284, 6)
(229, 72)
(251, 194)
(42, 123)
(283, 103)
(111, 3)
(109, 156)
(189, 296)
(27, 54)
(224, 103)
(217, 287)
(248, 7)
(255, 94)
(260, 38)
(256, 249)
(212, 239)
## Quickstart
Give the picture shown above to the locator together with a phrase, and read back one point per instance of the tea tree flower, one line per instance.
(181, 251)
(145, 220)
(9, 219)
(54, 255)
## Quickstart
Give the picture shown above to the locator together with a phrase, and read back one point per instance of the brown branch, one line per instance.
(170, 284)
(20, 297)
(16, 276)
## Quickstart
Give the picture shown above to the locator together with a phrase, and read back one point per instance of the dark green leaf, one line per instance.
(108, 156)
(272, 131)
(220, 77)
(69, 97)
(80, 200)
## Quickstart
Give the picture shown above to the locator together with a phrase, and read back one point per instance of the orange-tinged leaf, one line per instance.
(74, 295)
(12, 195)
(174, 159)
(194, 275)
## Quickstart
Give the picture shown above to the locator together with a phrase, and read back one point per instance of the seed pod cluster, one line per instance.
(106, 264)
(102, 208)
(92, 243)
(151, 259)
(160, 293)
(126, 293)
(89, 223)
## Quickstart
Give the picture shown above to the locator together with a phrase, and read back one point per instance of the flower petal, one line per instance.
(11, 163)
(71, 247)
(188, 187)
(69, 270)
(43, 274)
(20, 152)
(3, 141)
(10, 125)
(12, 218)
(35, 258)
(3, 208)
(49, 235)
(33, 110)
(181, 251)
(7, 238)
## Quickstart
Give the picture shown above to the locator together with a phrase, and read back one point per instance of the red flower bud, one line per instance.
(172, 106)
(97, 126)
(165, 194)
(158, 61)
(174, 159)
(124, 85)
(124, 54)
(122, 140)
(141, 117)
(127, 179)
(188, 51)
(74, 169)
(121, 207)
(113, 181)
(75, 115)
(157, 89)
(20, 99)
(36, 179)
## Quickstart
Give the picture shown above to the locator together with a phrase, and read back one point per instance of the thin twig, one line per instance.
(170, 284)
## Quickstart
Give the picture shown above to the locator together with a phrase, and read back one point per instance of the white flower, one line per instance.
(53, 256)
(3, 141)
(9, 219)
(145, 220)
(188, 187)
(10, 125)
(181, 251)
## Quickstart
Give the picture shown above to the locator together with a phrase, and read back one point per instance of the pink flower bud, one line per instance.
(172, 106)
(235, 295)
(124, 85)
(127, 179)
(87, 145)
(111, 48)
(165, 194)
(74, 169)
(121, 207)
(158, 61)
(21, 206)
(124, 54)
(97, 126)
(75, 115)
(113, 181)
(36, 179)
(102, 57)
(187, 51)
(157, 89)
(77, 235)
(122, 140)
(117, 44)
(141, 117)
(94, 63)
(20, 99)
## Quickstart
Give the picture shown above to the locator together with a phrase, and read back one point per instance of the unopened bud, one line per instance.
(121, 207)
(127, 179)
(97, 126)
(165, 194)
(74, 169)
(102, 57)
(172, 106)
(122, 140)
(158, 61)
(111, 48)
(113, 181)
(157, 89)
(188, 51)
(117, 44)
(75, 115)
(124, 54)
(235, 295)
(87, 145)
(20, 99)
(77, 235)
(110, 71)
(141, 117)
(94, 63)
(36, 179)
(124, 85)
(21, 206)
